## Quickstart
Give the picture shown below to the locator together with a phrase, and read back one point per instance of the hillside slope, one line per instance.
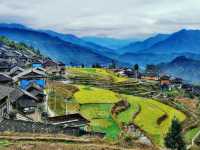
(141, 45)
(183, 67)
(55, 47)
(179, 42)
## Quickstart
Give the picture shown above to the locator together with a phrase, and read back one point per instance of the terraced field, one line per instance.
(150, 113)
(98, 73)
(95, 104)
(87, 94)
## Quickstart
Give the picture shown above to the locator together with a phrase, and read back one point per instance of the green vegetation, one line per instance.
(191, 134)
(4, 143)
(95, 104)
(98, 73)
(128, 115)
(60, 97)
(150, 112)
(96, 111)
(101, 119)
(108, 126)
(18, 46)
(174, 139)
(88, 94)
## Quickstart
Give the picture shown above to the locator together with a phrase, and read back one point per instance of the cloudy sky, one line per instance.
(112, 18)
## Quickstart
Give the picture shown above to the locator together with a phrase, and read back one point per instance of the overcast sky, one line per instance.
(112, 18)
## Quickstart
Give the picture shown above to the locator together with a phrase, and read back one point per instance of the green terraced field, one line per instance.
(88, 94)
(191, 134)
(95, 104)
(101, 119)
(151, 111)
(98, 73)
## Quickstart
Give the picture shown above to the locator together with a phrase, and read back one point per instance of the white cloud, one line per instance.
(117, 18)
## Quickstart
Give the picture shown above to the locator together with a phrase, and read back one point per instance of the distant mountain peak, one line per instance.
(13, 25)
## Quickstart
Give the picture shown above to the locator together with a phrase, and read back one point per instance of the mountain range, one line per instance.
(112, 43)
(135, 47)
(70, 50)
(89, 50)
(188, 69)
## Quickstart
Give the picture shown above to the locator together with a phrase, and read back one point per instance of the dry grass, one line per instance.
(192, 104)
(67, 146)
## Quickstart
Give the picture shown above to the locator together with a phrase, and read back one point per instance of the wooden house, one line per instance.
(31, 76)
(4, 101)
(37, 91)
(165, 82)
(15, 71)
(5, 79)
(37, 63)
(61, 66)
(151, 73)
(53, 67)
(177, 82)
(23, 101)
(71, 120)
(50, 64)
(5, 65)
(187, 87)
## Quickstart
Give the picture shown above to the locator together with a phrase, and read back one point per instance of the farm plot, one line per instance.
(90, 95)
(101, 119)
(96, 105)
(154, 117)
(99, 73)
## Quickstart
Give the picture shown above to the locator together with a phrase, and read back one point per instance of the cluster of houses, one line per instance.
(23, 78)
(152, 73)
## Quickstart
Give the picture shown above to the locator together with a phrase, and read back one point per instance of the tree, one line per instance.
(136, 69)
(112, 65)
(82, 66)
(174, 139)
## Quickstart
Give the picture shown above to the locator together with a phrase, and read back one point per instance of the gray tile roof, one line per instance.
(17, 93)
(5, 91)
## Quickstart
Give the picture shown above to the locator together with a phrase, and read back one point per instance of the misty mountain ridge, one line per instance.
(55, 47)
(141, 45)
(178, 42)
(186, 68)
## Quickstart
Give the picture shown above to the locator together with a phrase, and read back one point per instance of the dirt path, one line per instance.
(61, 143)
(46, 106)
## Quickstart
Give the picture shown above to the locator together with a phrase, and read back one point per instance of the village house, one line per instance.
(36, 91)
(23, 101)
(5, 65)
(15, 71)
(53, 67)
(187, 87)
(4, 101)
(165, 82)
(70, 120)
(30, 76)
(5, 79)
(61, 66)
(37, 63)
(177, 82)
(151, 73)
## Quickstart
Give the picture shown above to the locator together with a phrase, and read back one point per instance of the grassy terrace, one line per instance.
(99, 73)
(151, 111)
(58, 93)
(95, 104)
(106, 79)
(88, 94)
(4, 143)
(191, 134)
